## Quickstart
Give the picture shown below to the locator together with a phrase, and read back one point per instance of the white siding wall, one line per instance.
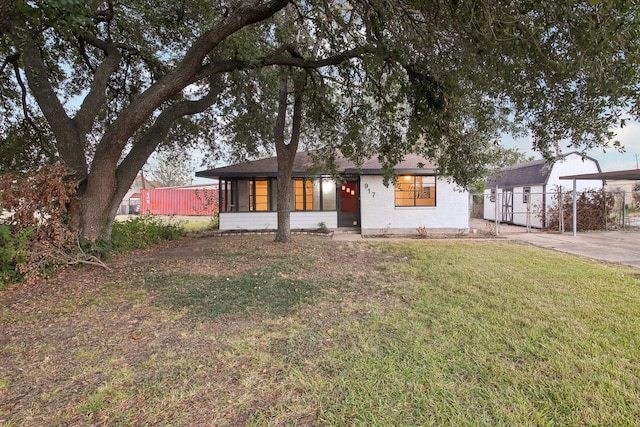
(519, 206)
(489, 212)
(269, 220)
(380, 215)
(573, 165)
(520, 214)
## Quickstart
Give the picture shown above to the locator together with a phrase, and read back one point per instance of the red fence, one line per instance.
(170, 201)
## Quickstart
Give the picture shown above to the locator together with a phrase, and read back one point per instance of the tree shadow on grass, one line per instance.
(267, 289)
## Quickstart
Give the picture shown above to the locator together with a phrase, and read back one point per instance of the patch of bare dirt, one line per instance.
(92, 347)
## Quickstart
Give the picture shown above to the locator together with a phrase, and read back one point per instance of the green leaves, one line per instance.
(441, 78)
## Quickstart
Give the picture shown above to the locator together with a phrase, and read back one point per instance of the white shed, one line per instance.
(522, 194)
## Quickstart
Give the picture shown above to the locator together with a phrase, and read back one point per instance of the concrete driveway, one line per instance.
(613, 246)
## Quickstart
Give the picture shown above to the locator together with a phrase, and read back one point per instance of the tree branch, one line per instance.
(296, 125)
(138, 112)
(281, 117)
(143, 148)
(70, 146)
(23, 89)
(97, 97)
(277, 58)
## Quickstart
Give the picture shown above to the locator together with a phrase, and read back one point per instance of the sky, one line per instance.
(609, 159)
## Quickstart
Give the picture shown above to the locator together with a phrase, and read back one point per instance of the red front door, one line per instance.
(349, 205)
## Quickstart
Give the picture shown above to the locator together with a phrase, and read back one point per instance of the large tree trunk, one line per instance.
(103, 184)
(286, 153)
(98, 208)
(8, 9)
(285, 194)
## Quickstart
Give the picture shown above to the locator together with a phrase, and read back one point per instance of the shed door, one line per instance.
(507, 205)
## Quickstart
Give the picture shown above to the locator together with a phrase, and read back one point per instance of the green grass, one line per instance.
(494, 335)
(267, 289)
(369, 333)
(477, 334)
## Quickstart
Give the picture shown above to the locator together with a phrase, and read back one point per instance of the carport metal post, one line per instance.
(631, 174)
(575, 209)
(497, 225)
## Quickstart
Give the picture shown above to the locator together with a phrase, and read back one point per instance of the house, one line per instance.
(626, 192)
(522, 194)
(358, 199)
(130, 203)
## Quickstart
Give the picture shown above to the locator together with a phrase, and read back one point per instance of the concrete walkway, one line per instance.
(613, 246)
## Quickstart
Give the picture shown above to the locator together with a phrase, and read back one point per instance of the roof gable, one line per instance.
(536, 172)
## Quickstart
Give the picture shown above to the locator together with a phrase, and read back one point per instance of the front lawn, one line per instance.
(242, 331)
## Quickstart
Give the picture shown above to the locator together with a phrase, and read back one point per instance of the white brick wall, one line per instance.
(380, 215)
(269, 220)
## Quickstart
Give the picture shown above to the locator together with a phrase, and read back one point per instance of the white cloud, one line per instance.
(610, 159)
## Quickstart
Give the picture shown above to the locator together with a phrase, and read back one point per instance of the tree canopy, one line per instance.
(172, 170)
(101, 84)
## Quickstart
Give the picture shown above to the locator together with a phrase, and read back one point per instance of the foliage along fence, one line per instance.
(596, 209)
(183, 201)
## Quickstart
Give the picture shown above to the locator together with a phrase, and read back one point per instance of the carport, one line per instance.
(630, 175)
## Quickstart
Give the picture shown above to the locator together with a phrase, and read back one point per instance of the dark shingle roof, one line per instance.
(303, 163)
(536, 172)
(530, 173)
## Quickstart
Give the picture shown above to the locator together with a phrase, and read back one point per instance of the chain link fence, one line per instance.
(596, 209)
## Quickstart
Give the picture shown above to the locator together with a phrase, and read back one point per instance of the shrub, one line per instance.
(209, 201)
(35, 236)
(13, 252)
(214, 224)
(143, 231)
(594, 211)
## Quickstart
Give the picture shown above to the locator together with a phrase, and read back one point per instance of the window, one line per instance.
(415, 190)
(246, 195)
(492, 197)
(526, 193)
(324, 194)
(260, 195)
(303, 189)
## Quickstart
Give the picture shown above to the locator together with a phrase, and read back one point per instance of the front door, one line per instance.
(349, 204)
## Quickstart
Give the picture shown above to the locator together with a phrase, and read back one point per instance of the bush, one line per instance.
(13, 252)
(594, 211)
(143, 231)
(35, 238)
(214, 224)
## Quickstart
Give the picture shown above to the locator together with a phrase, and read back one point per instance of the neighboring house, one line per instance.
(196, 200)
(624, 190)
(358, 200)
(130, 203)
(522, 194)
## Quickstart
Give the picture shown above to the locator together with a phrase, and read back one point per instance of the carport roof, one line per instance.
(630, 174)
